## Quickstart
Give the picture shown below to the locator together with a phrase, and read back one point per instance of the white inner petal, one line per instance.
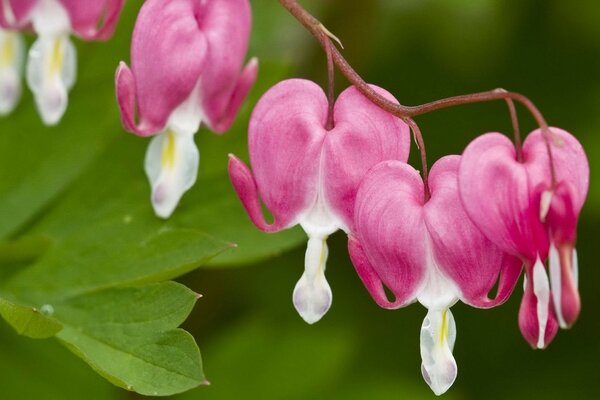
(438, 291)
(172, 158)
(171, 165)
(556, 284)
(50, 18)
(541, 289)
(312, 295)
(438, 334)
(12, 50)
(545, 202)
(51, 73)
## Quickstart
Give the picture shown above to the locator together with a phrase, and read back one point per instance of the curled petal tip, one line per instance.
(244, 84)
(245, 186)
(368, 275)
(125, 88)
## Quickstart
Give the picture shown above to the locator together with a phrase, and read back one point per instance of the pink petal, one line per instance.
(495, 192)
(463, 253)
(168, 54)
(285, 138)
(245, 187)
(226, 26)
(570, 160)
(16, 13)
(529, 313)
(244, 84)
(389, 245)
(125, 89)
(570, 303)
(364, 135)
(93, 19)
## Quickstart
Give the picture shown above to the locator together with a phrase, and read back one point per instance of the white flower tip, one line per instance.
(438, 366)
(10, 93)
(52, 105)
(312, 299)
(163, 203)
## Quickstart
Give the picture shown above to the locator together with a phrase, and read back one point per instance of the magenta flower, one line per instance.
(52, 63)
(517, 206)
(186, 58)
(308, 175)
(428, 251)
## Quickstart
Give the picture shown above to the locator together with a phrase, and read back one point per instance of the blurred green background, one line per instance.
(253, 343)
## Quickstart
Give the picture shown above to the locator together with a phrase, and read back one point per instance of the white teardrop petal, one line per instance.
(541, 290)
(51, 72)
(556, 284)
(545, 202)
(12, 51)
(438, 334)
(312, 295)
(171, 165)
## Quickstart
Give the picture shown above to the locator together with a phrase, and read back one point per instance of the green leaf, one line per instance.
(79, 235)
(28, 321)
(23, 250)
(128, 335)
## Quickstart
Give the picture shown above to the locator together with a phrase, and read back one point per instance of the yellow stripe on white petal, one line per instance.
(171, 165)
(438, 334)
(312, 295)
(51, 73)
(12, 50)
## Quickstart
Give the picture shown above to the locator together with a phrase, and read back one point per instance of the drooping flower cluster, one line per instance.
(52, 61)
(186, 59)
(528, 205)
(456, 236)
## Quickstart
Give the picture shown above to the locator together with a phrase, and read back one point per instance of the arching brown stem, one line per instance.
(421, 145)
(330, 84)
(316, 28)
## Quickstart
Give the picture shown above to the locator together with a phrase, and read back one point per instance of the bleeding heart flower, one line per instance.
(186, 57)
(517, 205)
(308, 175)
(12, 52)
(52, 63)
(426, 250)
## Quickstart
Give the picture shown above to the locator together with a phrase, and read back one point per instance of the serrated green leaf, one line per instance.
(129, 336)
(28, 321)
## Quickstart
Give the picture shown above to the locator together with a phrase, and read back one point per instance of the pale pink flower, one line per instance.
(307, 175)
(186, 69)
(426, 250)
